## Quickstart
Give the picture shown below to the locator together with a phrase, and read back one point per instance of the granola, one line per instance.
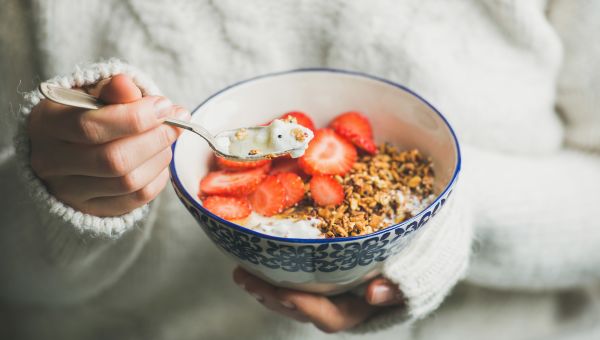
(378, 191)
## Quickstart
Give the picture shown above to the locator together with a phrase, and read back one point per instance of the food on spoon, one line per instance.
(300, 118)
(278, 137)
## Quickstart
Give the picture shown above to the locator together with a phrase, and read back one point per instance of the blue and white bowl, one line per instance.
(327, 266)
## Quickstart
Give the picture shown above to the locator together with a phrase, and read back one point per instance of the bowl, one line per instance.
(326, 266)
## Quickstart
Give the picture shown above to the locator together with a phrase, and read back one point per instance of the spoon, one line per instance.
(83, 100)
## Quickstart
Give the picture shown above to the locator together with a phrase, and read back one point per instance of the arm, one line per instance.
(52, 252)
(537, 218)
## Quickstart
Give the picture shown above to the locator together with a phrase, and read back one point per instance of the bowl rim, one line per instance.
(177, 183)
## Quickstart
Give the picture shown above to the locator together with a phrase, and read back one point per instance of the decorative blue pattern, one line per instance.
(302, 257)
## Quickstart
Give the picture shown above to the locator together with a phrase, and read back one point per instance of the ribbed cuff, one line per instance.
(430, 266)
(83, 75)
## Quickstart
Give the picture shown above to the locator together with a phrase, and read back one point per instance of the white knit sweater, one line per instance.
(517, 78)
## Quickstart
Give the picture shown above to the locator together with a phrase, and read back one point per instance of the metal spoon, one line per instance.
(83, 100)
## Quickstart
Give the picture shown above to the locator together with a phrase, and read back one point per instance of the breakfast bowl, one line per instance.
(321, 265)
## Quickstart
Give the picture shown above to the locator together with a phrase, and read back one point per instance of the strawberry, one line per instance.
(356, 128)
(286, 164)
(237, 183)
(362, 142)
(229, 208)
(227, 164)
(302, 119)
(269, 197)
(353, 122)
(294, 188)
(328, 154)
(325, 190)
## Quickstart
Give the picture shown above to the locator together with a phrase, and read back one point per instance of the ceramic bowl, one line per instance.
(327, 266)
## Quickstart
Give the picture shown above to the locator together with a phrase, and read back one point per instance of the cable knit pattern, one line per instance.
(516, 78)
(82, 76)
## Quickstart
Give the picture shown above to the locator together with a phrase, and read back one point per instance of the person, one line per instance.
(92, 245)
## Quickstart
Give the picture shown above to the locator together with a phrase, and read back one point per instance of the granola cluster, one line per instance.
(378, 192)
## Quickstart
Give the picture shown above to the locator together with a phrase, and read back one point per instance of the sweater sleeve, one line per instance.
(430, 266)
(50, 252)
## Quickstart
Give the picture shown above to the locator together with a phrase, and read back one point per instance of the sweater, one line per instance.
(515, 78)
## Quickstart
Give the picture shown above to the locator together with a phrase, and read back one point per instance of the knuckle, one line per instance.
(130, 182)
(89, 129)
(134, 119)
(115, 160)
(146, 194)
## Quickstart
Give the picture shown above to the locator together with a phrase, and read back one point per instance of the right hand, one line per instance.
(109, 161)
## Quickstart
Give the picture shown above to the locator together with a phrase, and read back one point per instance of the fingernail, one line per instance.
(383, 294)
(162, 107)
(257, 297)
(287, 304)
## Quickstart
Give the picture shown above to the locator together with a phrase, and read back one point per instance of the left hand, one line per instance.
(329, 314)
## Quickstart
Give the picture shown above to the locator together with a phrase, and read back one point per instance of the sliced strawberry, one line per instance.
(238, 183)
(302, 119)
(362, 142)
(286, 164)
(325, 190)
(328, 154)
(269, 197)
(294, 188)
(227, 164)
(227, 207)
(354, 123)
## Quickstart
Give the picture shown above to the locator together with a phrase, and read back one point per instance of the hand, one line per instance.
(329, 314)
(109, 161)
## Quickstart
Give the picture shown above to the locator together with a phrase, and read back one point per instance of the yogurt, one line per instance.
(278, 137)
(283, 227)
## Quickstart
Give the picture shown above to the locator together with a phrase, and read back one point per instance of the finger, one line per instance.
(114, 159)
(120, 205)
(120, 89)
(383, 292)
(329, 314)
(73, 189)
(266, 294)
(99, 126)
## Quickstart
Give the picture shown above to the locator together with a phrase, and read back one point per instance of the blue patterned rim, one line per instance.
(240, 228)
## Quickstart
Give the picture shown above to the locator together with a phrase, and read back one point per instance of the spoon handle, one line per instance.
(83, 100)
(195, 128)
(70, 97)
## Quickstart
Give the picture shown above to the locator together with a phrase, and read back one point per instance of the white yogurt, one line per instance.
(279, 136)
(283, 227)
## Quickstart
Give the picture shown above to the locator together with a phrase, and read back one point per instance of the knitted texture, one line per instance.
(497, 69)
(429, 267)
(83, 75)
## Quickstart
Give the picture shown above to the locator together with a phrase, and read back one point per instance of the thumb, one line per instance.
(119, 89)
(383, 292)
